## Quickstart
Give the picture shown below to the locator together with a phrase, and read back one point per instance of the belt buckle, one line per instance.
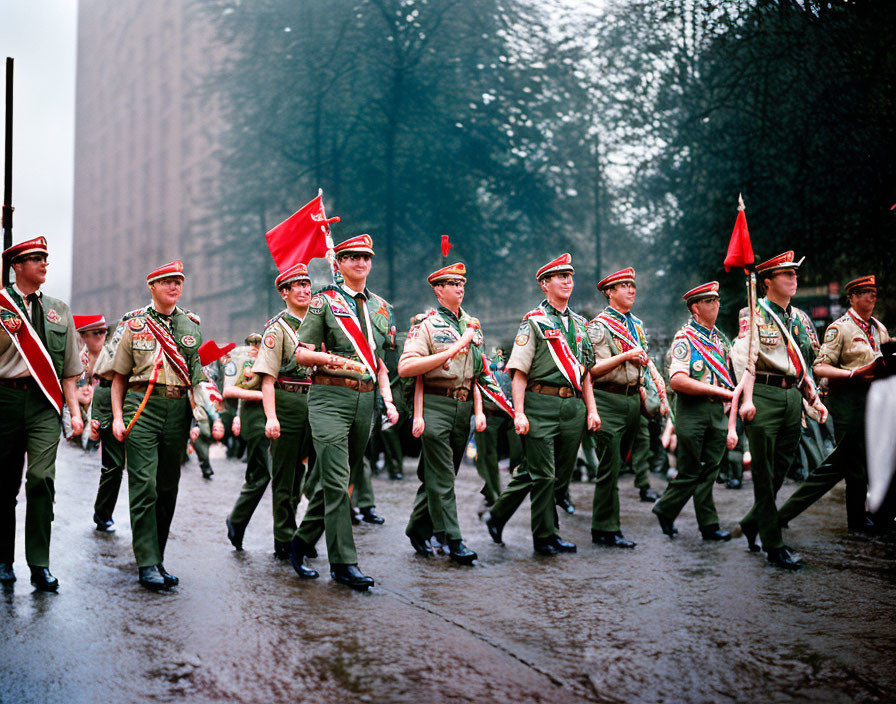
(564, 392)
(461, 394)
(173, 392)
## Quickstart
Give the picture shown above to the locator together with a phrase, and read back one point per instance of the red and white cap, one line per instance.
(452, 271)
(210, 352)
(560, 265)
(620, 277)
(297, 272)
(83, 323)
(36, 246)
(362, 244)
(701, 292)
(778, 263)
(175, 268)
(862, 283)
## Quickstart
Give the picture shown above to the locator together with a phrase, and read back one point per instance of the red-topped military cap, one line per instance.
(452, 271)
(175, 268)
(36, 246)
(701, 292)
(297, 272)
(210, 352)
(83, 323)
(620, 277)
(863, 283)
(779, 263)
(561, 265)
(362, 244)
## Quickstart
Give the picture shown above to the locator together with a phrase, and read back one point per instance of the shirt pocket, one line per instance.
(56, 335)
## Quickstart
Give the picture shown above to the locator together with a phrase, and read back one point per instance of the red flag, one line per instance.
(446, 245)
(301, 237)
(740, 251)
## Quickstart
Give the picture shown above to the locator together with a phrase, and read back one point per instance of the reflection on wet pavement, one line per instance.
(667, 622)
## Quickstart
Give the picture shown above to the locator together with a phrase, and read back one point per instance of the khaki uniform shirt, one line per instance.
(62, 341)
(846, 344)
(773, 357)
(103, 365)
(605, 347)
(687, 360)
(436, 333)
(277, 353)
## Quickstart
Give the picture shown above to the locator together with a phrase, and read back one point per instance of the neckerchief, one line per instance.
(622, 333)
(558, 344)
(159, 327)
(866, 328)
(488, 387)
(706, 348)
(351, 328)
(29, 345)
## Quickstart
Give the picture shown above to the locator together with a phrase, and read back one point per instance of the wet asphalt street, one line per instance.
(682, 621)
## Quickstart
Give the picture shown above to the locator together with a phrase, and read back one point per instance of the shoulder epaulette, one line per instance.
(133, 314)
(580, 318)
(190, 314)
(271, 321)
(533, 312)
(382, 301)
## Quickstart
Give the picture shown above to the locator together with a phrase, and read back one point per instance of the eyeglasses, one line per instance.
(454, 282)
(355, 256)
(95, 333)
(32, 258)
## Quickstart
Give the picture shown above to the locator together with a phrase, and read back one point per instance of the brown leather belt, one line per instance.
(23, 383)
(161, 390)
(614, 388)
(292, 387)
(551, 390)
(458, 394)
(347, 382)
(779, 380)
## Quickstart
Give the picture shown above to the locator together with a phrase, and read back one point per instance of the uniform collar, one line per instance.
(352, 293)
(553, 311)
(450, 314)
(701, 328)
(619, 314)
(778, 309)
(21, 295)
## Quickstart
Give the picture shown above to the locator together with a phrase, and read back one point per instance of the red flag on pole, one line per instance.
(302, 236)
(740, 251)
(446, 245)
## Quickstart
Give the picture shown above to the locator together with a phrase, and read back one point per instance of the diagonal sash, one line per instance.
(488, 387)
(711, 354)
(290, 333)
(170, 349)
(619, 331)
(867, 332)
(568, 364)
(351, 328)
(793, 351)
(34, 353)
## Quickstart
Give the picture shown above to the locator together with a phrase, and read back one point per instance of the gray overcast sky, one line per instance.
(41, 36)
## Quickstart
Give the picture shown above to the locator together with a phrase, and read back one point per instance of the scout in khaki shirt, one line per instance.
(783, 379)
(39, 367)
(701, 377)
(849, 358)
(553, 403)
(284, 392)
(446, 349)
(156, 368)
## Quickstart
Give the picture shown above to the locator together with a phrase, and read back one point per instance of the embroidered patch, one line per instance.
(522, 336)
(860, 340)
(188, 341)
(680, 350)
(443, 339)
(551, 334)
(142, 336)
(136, 324)
(270, 342)
(53, 316)
(698, 366)
(831, 334)
(412, 333)
(11, 321)
(317, 304)
(143, 345)
(596, 332)
(230, 369)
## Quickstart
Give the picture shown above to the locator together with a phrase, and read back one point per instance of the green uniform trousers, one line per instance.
(360, 479)
(640, 456)
(774, 435)
(589, 455)
(702, 428)
(443, 441)
(847, 461)
(556, 426)
(487, 453)
(112, 455)
(392, 436)
(258, 462)
(30, 426)
(202, 444)
(153, 451)
(620, 417)
(288, 454)
(340, 427)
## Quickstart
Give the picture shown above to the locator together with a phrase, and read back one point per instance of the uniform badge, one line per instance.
(522, 337)
(317, 304)
(270, 341)
(412, 333)
(188, 341)
(698, 366)
(680, 350)
(230, 369)
(11, 321)
(831, 334)
(136, 324)
(53, 316)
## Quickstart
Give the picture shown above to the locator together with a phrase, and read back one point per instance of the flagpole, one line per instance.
(325, 227)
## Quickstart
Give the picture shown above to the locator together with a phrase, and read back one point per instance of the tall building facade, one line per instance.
(146, 133)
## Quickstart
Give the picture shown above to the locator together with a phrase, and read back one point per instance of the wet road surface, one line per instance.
(681, 621)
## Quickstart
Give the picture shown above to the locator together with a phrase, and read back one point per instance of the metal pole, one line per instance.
(7, 171)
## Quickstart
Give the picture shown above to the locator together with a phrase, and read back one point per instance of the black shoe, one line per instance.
(612, 539)
(667, 526)
(398, 476)
(282, 549)
(544, 546)
(7, 573)
(102, 525)
(460, 553)
(207, 472)
(648, 495)
(369, 515)
(42, 580)
(713, 532)
(351, 576)
(421, 547)
(235, 534)
(561, 545)
(781, 557)
(297, 559)
(170, 579)
(750, 533)
(356, 516)
(151, 578)
(566, 505)
(494, 530)
(733, 484)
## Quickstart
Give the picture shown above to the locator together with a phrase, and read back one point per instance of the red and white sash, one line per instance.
(619, 331)
(170, 349)
(711, 354)
(348, 323)
(33, 352)
(568, 364)
(488, 387)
